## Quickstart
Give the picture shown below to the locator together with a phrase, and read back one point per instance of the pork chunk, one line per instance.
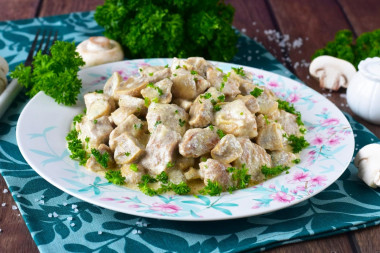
(283, 158)
(215, 171)
(197, 142)
(94, 132)
(183, 103)
(267, 101)
(154, 74)
(170, 115)
(288, 122)
(234, 118)
(131, 176)
(200, 65)
(159, 92)
(250, 102)
(160, 149)
(132, 87)
(202, 110)
(98, 105)
(187, 85)
(227, 150)
(112, 84)
(253, 158)
(271, 137)
(128, 149)
(132, 126)
(93, 165)
(220, 81)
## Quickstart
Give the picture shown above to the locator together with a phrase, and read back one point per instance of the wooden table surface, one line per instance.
(315, 22)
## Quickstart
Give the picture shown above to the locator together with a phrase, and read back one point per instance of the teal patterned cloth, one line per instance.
(56, 225)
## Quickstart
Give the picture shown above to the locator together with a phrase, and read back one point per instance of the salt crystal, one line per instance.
(296, 64)
(50, 215)
(249, 58)
(243, 30)
(100, 232)
(254, 23)
(297, 43)
(64, 204)
(307, 77)
(42, 202)
(69, 218)
(36, 200)
(139, 231)
(3, 204)
(42, 196)
(145, 224)
(257, 30)
(5, 191)
(14, 207)
(74, 206)
(342, 95)
(18, 195)
(18, 214)
(72, 224)
(1, 230)
(342, 104)
(134, 231)
(257, 51)
(55, 215)
(76, 210)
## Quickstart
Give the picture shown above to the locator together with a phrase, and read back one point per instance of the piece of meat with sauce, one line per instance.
(253, 158)
(215, 171)
(223, 83)
(227, 150)
(197, 142)
(267, 101)
(132, 126)
(159, 92)
(202, 110)
(98, 105)
(234, 118)
(160, 149)
(200, 65)
(93, 165)
(127, 149)
(94, 132)
(282, 158)
(112, 84)
(183, 103)
(131, 176)
(288, 122)
(170, 115)
(250, 102)
(187, 85)
(271, 137)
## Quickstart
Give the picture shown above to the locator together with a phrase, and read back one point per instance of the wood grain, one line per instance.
(54, 7)
(15, 236)
(17, 9)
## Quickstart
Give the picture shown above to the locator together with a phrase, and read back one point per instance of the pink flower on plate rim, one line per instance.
(317, 141)
(299, 176)
(166, 208)
(282, 197)
(318, 180)
(293, 98)
(330, 122)
(273, 84)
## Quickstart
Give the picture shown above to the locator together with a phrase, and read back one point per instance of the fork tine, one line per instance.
(31, 51)
(42, 41)
(54, 40)
(44, 51)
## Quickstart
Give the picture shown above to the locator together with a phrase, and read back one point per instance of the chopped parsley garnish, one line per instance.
(155, 100)
(127, 154)
(203, 159)
(217, 108)
(256, 92)
(206, 95)
(297, 143)
(296, 161)
(163, 177)
(157, 123)
(219, 70)
(165, 185)
(181, 122)
(99, 91)
(221, 98)
(151, 85)
(169, 165)
(95, 121)
(193, 72)
(176, 111)
(239, 71)
(167, 66)
(211, 127)
(102, 159)
(241, 113)
(77, 119)
(177, 67)
(76, 147)
(134, 167)
(274, 171)
(147, 101)
(222, 86)
(302, 130)
(212, 189)
(174, 74)
(115, 177)
(181, 188)
(150, 74)
(220, 133)
(138, 126)
(266, 119)
(240, 176)
(140, 69)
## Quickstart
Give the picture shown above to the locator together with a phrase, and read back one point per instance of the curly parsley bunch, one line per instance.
(170, 28)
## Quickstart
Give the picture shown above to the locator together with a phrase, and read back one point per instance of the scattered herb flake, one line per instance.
(115, 177)
(256, 92)
(102, 159)
(134, 167)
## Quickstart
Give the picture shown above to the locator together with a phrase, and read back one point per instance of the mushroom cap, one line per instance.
(368, 163)
(332, 72)
(370, 150)
(99, 50)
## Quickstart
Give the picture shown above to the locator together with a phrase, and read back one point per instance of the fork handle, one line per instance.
(8, 95)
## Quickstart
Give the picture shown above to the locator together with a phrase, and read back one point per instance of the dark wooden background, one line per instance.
(315, 21)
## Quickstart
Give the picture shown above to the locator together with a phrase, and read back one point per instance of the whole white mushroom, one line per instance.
(332, 72)
(99, 50)
(367, 161)
(4, 68)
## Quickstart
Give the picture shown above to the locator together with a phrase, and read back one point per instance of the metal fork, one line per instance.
(13, 87)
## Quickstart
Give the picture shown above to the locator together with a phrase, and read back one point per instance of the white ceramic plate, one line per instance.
(43, 126)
